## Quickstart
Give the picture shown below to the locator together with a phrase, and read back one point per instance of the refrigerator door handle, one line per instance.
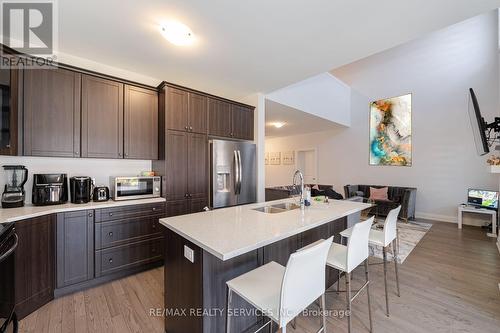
(240, 172)
(236, 172)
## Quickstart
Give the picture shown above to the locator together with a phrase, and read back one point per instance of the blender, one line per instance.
(13, 193)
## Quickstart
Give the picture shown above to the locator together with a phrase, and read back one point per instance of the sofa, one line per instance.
(283, 192)
(397, 195)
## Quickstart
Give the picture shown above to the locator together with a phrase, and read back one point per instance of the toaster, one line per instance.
(101, 193)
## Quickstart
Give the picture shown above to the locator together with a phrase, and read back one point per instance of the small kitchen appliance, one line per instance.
(126, 188)
(80, 189)
(101, 193)
(13, 194)
(49, 189)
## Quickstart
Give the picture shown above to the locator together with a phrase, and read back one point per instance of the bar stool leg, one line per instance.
(368, 295)
(384, 251)
(338, 281)
(271, 327)
(348, 299)
(323, 310)
(396, 256)
(228, 306)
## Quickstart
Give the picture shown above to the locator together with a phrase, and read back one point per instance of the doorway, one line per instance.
(307, 163)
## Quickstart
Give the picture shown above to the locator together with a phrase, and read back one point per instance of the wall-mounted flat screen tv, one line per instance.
(478, 125)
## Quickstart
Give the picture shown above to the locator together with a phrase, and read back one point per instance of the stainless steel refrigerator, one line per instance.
(233, 173)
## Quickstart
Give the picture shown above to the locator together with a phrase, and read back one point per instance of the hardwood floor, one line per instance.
(449, 283)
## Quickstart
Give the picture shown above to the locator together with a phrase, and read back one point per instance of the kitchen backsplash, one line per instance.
(100, 169)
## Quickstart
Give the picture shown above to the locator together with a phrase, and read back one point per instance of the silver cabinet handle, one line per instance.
(110, 234)
(110, 260)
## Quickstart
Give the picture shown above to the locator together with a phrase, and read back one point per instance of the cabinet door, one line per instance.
(102, 118)
(141, 123)
(9, 94)
(52, 112)
(197, 175)
(197, 205)
(75, 247)
(177, 207)
(34, 264)
(177, 165)
(176, 109)
(242, 122)
(198, 115)
(219, 118)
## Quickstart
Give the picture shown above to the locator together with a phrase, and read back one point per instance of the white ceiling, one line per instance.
(244, 47)
(296, 121)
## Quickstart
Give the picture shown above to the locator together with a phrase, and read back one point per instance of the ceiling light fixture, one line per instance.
(177, 33)
(278, 124)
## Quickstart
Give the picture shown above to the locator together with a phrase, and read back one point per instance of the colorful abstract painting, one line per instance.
(390, 131)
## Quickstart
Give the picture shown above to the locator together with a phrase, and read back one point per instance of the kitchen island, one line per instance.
(205, 250)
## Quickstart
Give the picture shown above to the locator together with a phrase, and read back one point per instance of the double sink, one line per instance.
(278, 208)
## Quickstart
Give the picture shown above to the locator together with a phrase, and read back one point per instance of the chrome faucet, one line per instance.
(301, 176)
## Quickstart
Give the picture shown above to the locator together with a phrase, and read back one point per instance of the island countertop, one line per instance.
(229, 232)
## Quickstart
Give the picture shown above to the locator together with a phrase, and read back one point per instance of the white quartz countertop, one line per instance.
(229, 232)
(29, 211)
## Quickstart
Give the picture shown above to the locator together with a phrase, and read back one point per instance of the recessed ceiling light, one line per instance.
(177, 33)
(278, 124)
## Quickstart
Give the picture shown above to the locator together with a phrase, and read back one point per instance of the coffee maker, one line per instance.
(80, 189)
(13, 193)
(49, 189)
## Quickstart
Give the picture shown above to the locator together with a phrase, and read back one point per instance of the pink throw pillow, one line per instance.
(378, 193)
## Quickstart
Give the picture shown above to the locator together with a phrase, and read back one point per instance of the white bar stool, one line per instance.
(347, 258)
(282, 293)
(384, 238)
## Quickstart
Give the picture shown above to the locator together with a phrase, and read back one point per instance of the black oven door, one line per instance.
(8, 244)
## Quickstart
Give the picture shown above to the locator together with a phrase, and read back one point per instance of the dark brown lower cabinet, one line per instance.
(75, 247)
(68, 252)
(186, 206)
(34, 263)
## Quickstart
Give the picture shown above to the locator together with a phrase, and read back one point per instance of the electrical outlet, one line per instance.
(189, 253)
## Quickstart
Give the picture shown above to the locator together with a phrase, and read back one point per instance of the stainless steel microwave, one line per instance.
(128, 188)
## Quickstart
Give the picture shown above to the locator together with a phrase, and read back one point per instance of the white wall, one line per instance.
(322, 95)
(100, 169)
(437, 70)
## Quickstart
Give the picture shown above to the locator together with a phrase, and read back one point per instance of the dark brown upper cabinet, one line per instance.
(140, 123)
(219, 118)
(242, 122)
(176, 106)
(102, 118)
(9, 92)
(197, 113)
(186, 167)
(230, 120)
(52, 112)
(186, 111)
(176, 165)
(197, 150)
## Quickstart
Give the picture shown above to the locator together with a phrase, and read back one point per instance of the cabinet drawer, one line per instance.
(119, 232)
(123, 257)
(118, 213)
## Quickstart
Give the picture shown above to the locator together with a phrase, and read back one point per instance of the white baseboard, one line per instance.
(436, 217)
